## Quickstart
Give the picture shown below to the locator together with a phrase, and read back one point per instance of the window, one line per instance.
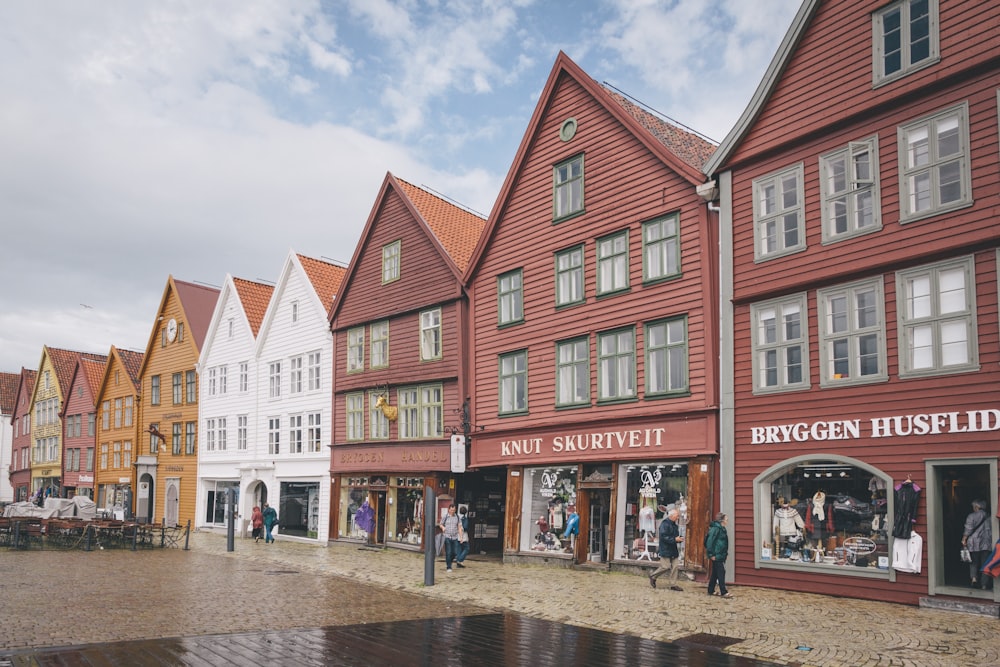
(274, 435)
(661, 248)
(128, 411)
(211, 382)
(390, 262)
(378, 423)
(126, 454)
(223, 381)
(92, 424)
(295, 434)
(513, 389)
(295, 375)
(222, 434)
(780, 346)
(105, 415)
(573, 372)
(209, 435)
(567, 179)
(430, 334)
(180, 332)
(104, 456)
(231, 327)
(510, 306)
(244, 376)
(355, 416)
(295, 312)
(934, 164)
(937, 328)
(189, 431)
(90, 459)
(314, 371)
(778, 213)
(852, 333)
(569, 276)
(616, 365)
(666, 357)
(380, 344)
(906, 38)
(431, 411)
(175, 438)
(274, 379)
(154, 440)
(849, 190)
(118, 413)
(192, 388)
(315, 433)
(241, 432)
(154, 390)
(178, 388)
(355, 349)
(612, 263)
(408, 407)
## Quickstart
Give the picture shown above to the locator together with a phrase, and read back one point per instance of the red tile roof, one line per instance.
(198, 302)
(690, 148)
(94, 372)
(325, 278)
(27, 385)
(255, 297)
(132, 361)
(8, 392)
(64, 362)
(456, 229)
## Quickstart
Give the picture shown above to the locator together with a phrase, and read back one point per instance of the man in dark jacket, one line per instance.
(669, 537)
(717, 550)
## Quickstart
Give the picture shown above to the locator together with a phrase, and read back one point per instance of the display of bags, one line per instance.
(965, 555)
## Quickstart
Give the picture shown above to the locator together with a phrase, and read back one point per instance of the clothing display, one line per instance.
(907, 553)
(907, 501)
(788, 521)
(647, 520)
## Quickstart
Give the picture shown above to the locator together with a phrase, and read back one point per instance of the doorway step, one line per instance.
(991, 609)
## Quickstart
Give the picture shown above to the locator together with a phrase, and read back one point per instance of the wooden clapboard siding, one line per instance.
(625, 185)
(81, 401)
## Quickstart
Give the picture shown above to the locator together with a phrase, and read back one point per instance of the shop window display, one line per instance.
(299, 509)
(353, 493)
(407, 510)
(650, 491)
(550, 509)
(825, 513)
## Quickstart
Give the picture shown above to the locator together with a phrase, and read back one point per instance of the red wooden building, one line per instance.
(400, 324)
(859, 194)
(595, 342)
(20, 464)
(79, 421)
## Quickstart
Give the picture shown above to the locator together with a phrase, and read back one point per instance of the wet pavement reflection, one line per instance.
(482, 640)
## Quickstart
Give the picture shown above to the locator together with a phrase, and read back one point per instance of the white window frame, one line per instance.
(845, 187)
(934, 323)
(314, 435)
(616, 365)
(923, 170)
(569, 276)
(295, 375)
(661, 248)
(244, 376)
(391, 255)
(295, 434)
(567, 188)
(431, 411)
(510, 297)
(408, 413)
(315, 365)
(844, 328)
(378, 332)
(666, 356)
(612, 263)
(273, 435)
(771, 212)
(512, 385)
(355, 350)
(223, 380)
(906, 51)
(354, 416)
(573, 372)
(212, 382)
(772, 325)
(430, 335)
(222, 435)
(241, 432)
(274, 379)
(210, 435)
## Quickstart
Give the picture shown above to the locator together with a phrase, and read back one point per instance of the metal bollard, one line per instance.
(430, 544)
(187, 535)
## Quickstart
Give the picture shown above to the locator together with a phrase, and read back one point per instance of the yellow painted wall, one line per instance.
(117, 385)
(46, 387)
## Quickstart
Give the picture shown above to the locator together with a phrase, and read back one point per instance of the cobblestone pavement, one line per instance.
(272, 587)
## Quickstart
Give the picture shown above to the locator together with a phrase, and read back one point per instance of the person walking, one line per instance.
(464, 544)
(717, 549)
(256, 522)
(270, 517)
(977, 537)
(668, 537)
(450, 527)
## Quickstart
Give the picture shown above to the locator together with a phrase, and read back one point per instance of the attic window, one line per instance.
(568, 129)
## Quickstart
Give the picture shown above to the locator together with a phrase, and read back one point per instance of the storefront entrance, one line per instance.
(953, 486)
(598, 518)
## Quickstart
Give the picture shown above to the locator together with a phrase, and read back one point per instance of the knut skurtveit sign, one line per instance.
(924, 423)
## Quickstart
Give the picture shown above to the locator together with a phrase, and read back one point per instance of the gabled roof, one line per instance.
(8, 392)
(94, 373)
(198, 302)
(64, 363)
(132, 361)
(765, 88)
(456, 229)
(680, 150)
(326, 279)
(27, 384)
(254, 296)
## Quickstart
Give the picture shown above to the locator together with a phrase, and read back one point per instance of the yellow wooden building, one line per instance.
(167, 467)
(118, 439)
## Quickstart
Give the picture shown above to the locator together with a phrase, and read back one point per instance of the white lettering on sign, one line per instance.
(581, 442)
(933, 423)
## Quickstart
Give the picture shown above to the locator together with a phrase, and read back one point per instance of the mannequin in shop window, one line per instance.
(819, 517)
(788, 525)
(647, 520)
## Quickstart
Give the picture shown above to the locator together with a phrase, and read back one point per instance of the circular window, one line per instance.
(568, 129)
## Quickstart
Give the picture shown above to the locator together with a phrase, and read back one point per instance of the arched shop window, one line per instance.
(825, 513)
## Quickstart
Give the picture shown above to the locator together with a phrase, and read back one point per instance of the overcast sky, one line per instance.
(143, 138)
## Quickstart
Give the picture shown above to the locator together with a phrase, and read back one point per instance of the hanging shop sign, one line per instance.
(930, 423)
